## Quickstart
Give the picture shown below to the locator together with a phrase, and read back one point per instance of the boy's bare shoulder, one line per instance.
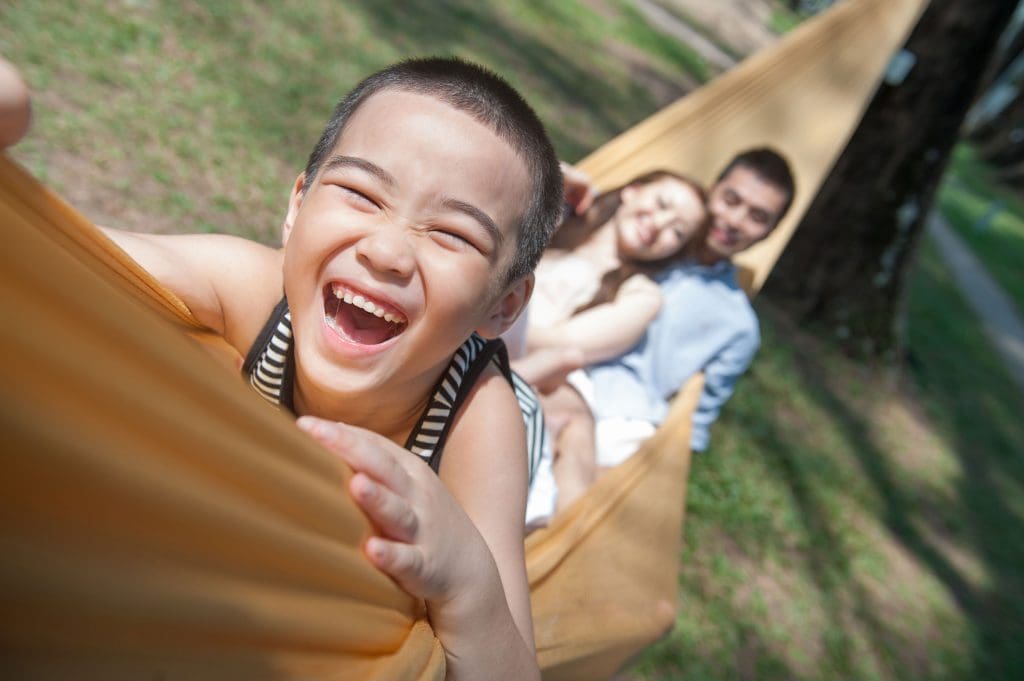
(492, 389)
(488, 434)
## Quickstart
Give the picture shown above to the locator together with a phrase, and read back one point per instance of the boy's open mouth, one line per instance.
(358, 319)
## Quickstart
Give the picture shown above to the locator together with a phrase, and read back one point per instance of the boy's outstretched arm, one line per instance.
(226, 281)
(459, 550)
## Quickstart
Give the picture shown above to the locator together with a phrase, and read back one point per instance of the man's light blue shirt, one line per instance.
(706, 323)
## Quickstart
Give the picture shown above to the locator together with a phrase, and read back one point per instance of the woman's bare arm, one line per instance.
(607, 330)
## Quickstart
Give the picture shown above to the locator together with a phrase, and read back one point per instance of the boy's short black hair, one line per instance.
(489, 99)
(771, 166)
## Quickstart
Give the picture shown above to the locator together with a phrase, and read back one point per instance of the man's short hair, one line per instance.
(489, 99)
(771, 167)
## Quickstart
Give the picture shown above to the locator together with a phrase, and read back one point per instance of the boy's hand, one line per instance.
(425, 541)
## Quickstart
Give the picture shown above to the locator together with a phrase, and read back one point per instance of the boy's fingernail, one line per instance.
(318, 428)
(307, 423)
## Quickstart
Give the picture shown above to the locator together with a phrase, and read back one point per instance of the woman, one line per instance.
(593, 299)
(594, 294)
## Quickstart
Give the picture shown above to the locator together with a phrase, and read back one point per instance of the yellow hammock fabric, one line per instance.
(159, 521)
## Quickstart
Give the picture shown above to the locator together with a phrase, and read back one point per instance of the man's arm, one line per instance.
(720, 376)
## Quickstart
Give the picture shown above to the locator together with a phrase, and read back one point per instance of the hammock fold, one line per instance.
(157, 515)
(160, 519)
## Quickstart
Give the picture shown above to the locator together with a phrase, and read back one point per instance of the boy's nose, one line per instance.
(387, 249)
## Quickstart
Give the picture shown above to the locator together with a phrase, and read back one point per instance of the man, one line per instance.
(706, 324)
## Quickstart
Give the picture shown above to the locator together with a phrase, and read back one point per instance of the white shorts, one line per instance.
(543, 492)
(617, 438)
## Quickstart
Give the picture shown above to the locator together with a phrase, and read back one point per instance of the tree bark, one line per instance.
(989, 136)
(845, 268)
(1003, 58)
(1012, 175)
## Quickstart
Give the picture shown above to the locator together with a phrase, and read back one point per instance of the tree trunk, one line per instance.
(1003, 58)
(1012, 175)
(990, 135)
(845, 268)
(1010, 151)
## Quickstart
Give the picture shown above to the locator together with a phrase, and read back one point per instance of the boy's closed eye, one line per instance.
(450, 237)
(357, 198)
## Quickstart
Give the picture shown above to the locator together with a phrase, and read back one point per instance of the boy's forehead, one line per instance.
(429, 144)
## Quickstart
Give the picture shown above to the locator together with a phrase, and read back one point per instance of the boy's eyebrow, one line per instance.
(483, 218)
(341, 161)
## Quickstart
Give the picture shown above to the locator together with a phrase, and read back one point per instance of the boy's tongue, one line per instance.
(360, 326)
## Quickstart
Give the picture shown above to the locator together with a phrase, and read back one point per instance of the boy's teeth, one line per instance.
(364, 304)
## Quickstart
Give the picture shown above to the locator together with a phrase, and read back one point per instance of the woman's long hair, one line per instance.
(575, 230)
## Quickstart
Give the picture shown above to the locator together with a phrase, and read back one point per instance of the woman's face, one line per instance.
(656, 219)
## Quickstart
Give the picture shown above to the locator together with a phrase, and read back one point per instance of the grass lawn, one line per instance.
(182, 116)
(849, 522)
(858, 523)
(989, 218)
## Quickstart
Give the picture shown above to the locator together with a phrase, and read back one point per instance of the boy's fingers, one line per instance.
(403, 562)
(392, 514)
(362, 450)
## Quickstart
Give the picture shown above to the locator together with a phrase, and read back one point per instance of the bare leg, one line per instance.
(546, 369)
(575, 465)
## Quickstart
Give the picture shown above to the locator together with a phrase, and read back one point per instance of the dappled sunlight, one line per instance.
(198, 116)
(840, 523)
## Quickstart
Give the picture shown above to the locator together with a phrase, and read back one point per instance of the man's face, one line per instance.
(743, 208)
(395, 253)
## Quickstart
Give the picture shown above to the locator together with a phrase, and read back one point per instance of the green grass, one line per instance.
(989, 218)
(858, 523)
(680, 13)
(135, 100)
(783, 20)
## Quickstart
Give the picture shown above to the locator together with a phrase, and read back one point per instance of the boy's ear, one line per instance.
(507, 308)
(294, 203)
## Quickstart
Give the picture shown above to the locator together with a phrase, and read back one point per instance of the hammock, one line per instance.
(160, 521)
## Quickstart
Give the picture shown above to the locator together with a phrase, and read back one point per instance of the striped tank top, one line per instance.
(270, 369)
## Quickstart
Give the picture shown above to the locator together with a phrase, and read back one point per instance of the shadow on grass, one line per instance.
(332, 48)
(969, 393)
(205, 112)
(531, 52)
(958, 378)
(971, 402)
